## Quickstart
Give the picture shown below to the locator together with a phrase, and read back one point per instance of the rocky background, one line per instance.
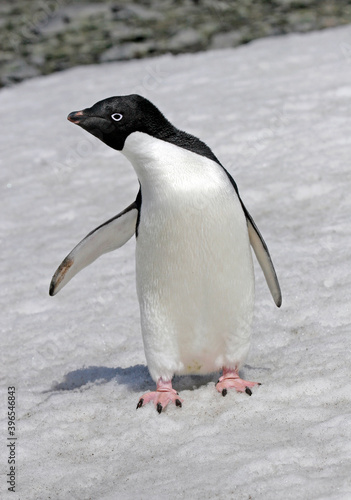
(43, 36)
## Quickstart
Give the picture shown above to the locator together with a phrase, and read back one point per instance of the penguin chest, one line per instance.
(193, 261)
(190, 245)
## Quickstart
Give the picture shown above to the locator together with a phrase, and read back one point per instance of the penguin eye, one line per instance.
(116, 117)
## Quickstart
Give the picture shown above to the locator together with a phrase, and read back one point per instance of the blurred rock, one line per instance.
(186, 40)
(43, 36)
(126, 51)
(139, 12)
(225, 40)
(17, 71)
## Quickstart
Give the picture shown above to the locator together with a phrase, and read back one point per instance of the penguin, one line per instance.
(194, 266)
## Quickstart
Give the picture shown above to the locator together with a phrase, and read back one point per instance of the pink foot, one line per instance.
(230, 379)
(163, 395)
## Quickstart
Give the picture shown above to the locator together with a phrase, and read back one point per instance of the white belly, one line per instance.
(194, 271)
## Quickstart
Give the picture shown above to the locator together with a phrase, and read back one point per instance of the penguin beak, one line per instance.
(75, 116)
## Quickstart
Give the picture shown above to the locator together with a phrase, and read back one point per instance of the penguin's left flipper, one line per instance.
(264, 259)
(109, 236)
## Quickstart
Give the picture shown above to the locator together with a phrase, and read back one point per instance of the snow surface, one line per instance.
(277, 114)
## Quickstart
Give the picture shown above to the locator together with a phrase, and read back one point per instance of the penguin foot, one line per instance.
(163, 395)
(230, 379)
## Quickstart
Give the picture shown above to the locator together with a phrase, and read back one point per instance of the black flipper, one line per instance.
(261, 250)
(262, 253)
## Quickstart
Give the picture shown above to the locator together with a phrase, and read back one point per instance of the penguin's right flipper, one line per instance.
(109, 236)
(264, 258)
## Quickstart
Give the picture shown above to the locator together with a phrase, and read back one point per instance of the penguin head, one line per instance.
(113, 119)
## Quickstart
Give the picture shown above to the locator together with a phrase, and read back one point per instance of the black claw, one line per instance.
(159, 407)
(140, 403)
(217, 381)
(248, 391)
(178, 403)
(224, 392)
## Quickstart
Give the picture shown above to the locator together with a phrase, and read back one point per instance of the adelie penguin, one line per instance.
(194, 269)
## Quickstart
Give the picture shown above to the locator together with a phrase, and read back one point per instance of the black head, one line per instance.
(114, 118)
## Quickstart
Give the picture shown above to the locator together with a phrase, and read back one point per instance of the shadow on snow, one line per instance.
(136, 377)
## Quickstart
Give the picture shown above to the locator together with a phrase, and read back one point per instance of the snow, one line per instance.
(276, 113)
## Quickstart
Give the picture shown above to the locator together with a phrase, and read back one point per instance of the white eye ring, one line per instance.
(117, 117)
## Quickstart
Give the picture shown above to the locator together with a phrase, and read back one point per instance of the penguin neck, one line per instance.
(161, 166)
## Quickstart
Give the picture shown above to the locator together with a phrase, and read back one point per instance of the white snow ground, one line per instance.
(277, 114)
